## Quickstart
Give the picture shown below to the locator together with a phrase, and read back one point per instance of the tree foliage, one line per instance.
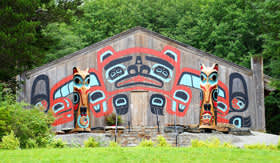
(30, 126)
(23, 46)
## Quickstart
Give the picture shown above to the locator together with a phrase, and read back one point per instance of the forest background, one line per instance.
(35, 32)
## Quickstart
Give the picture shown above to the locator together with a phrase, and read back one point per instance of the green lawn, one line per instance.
(137, 154)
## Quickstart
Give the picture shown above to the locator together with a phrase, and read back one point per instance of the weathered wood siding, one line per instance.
(240, 95)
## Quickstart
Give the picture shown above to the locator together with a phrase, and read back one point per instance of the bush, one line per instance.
(161, 141)
(227, 145)
(10, 142)
(110, 120)
(196, 143)
(91, 143)
(31, 143)
(278, 145)
(31, 126)
(26, 123)
(214, 143)
(146, 143)
(113, 144)
(57, 143)
(260, 146)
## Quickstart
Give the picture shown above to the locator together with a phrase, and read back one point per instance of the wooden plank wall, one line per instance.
(252, 116)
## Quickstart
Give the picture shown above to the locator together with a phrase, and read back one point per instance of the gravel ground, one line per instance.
(239, 141)
(257, 137)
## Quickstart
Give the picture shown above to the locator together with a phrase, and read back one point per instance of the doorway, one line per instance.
(139, 108)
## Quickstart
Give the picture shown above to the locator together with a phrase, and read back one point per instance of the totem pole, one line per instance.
(208, 96)
(81, 82)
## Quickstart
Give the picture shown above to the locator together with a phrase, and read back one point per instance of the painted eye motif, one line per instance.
(203, 78)
(87, 81)
(116, 72)
(78, 81)
(213, 78)
(162, 72)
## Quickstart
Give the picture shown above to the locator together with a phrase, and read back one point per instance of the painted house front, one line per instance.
(144, 77)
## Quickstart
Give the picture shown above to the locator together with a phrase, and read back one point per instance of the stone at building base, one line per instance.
(113, 128)
(220, 128)
(172, 129)
(79, 138)
(136, 135)
(97, 130)
(240, 131)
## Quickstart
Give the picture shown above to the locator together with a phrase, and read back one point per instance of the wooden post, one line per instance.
(258, 79)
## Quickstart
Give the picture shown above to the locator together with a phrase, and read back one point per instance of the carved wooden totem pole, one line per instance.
(81, 82)
(208, 96)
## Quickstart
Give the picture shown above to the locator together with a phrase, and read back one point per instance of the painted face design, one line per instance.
(145, 69)
(125, 70)
(119, 72)
(209, 96)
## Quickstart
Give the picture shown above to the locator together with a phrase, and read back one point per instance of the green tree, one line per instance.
(22, 44)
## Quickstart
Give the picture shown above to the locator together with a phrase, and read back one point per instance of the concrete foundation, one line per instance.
(133, 138)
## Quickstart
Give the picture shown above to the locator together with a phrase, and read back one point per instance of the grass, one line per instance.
(139, 154)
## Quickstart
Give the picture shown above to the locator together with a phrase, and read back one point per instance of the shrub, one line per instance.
(227, 145)
(31, 143)
(91, 143)
(214, 143)
(146, 143)
(10, 142)
(6, 98)
(197, 143)
(272, 147)
(161, 141)
(111, 119)
(255, 146)
(57, 143)
(26, 123)
(113, 144)
(278, 145)
(260, 146)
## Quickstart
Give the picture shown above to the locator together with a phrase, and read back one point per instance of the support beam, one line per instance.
(258, 78)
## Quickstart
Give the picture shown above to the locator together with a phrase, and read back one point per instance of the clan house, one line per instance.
(148, 80)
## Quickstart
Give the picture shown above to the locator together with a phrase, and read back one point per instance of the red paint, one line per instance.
(216, 67)
(223, 100)
(60, 119)
(234, 103)
(62, 115)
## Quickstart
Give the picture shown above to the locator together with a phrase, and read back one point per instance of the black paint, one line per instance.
(35, 98)
(121, 104)
(160, 61)
(117, 61)
(245, 121)
(238, 94)
(157, 109)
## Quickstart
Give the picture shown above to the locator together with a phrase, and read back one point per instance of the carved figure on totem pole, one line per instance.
(208, 96)
(81, 83)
